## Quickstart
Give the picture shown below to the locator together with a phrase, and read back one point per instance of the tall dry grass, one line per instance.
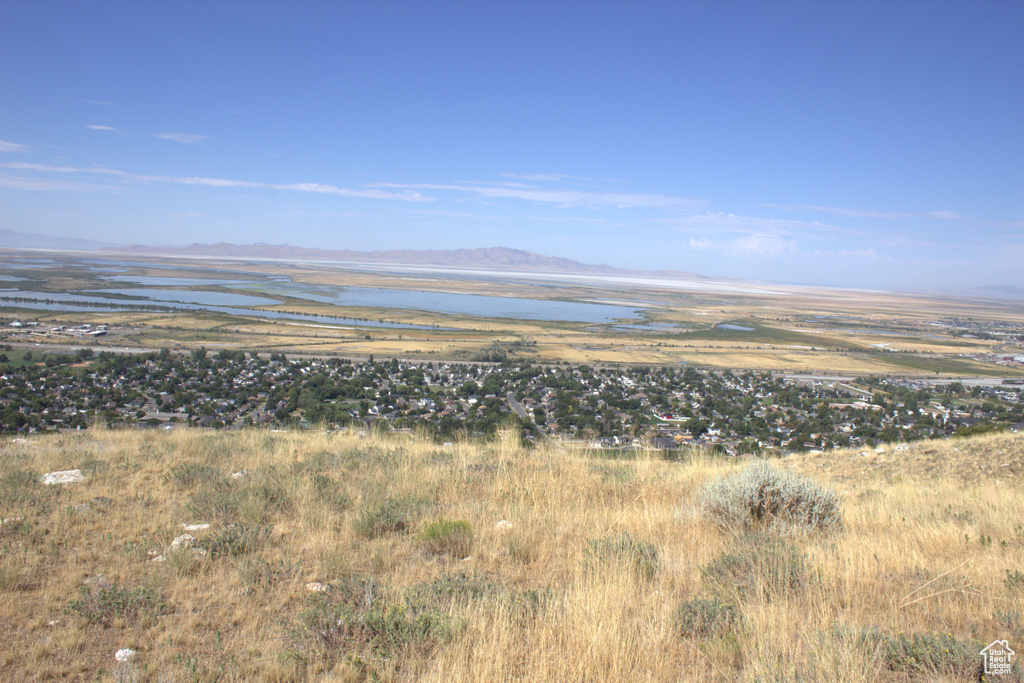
(585, 582)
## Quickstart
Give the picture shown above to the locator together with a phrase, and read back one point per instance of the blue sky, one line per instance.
(868, 144)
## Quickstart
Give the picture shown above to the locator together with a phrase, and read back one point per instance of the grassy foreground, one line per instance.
(349, 557)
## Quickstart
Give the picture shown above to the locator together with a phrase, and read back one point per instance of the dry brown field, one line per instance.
(795, 328)
(343, 556)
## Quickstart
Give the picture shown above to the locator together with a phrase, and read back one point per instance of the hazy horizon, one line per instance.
(848, 144)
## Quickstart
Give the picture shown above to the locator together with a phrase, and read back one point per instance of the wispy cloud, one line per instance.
(316, 188)
(701, 244)
(96, 126)
(187, 138)
(6, 146)
(867, 213)
(557, 178)
(48, 185)
(565, 198)
(761, 244)
(866, 254)
(729, 222)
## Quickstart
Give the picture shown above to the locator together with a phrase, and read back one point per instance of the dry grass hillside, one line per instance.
(349, 557)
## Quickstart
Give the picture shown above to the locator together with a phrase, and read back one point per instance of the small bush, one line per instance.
(757, 568)
(930, 654)
(448, 537)
(452, 589)
(640, 556)
(107, 604)
(356, 617)
(236, 540)
(1014, 580)
(703, 617)
(391, 515)
(761, 497)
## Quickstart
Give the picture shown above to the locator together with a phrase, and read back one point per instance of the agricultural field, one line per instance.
(326, 309)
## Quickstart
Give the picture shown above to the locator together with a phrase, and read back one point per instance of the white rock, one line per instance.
(125, 654)
(202, 526)
(241, 474)
(159, 558)
(65, 477)
(315, 587)
(183, 541)
(503, 525)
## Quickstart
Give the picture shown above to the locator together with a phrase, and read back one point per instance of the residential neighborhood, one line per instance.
(604, 407)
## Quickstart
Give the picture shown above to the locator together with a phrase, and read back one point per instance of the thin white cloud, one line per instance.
(730, 222)
(701, 244)
(565, 198)
(47, 185)
(867, 254)
(761, 244)
(187, 138)
(557, 177)
(867, 213)
(7, 146)
(316, 188)
(96, 126)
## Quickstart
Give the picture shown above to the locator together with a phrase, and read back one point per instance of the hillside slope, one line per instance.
(345, 556)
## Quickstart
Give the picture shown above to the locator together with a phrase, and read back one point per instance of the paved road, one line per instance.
(516, 406)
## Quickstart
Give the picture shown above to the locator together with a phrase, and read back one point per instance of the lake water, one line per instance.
(192, 293)
(76, 303)
(455, 303)
(730, 326)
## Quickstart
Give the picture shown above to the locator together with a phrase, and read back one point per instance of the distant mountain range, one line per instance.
(490, 258)
(998, 292)
(9, 239)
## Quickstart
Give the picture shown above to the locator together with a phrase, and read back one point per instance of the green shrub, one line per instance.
(235, 540)
(639, 556)
(106, 604)
(357, 617)
(391, 515)
(929, 654)
(448, 537)
(704, 617)
(1014, 580)
(451, 589)
(762, 497)
(766, 568)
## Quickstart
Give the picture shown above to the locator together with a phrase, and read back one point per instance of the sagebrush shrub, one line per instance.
(448, 537)
(762, 497)
(108, 603)
(704, 617)
(360, 617)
